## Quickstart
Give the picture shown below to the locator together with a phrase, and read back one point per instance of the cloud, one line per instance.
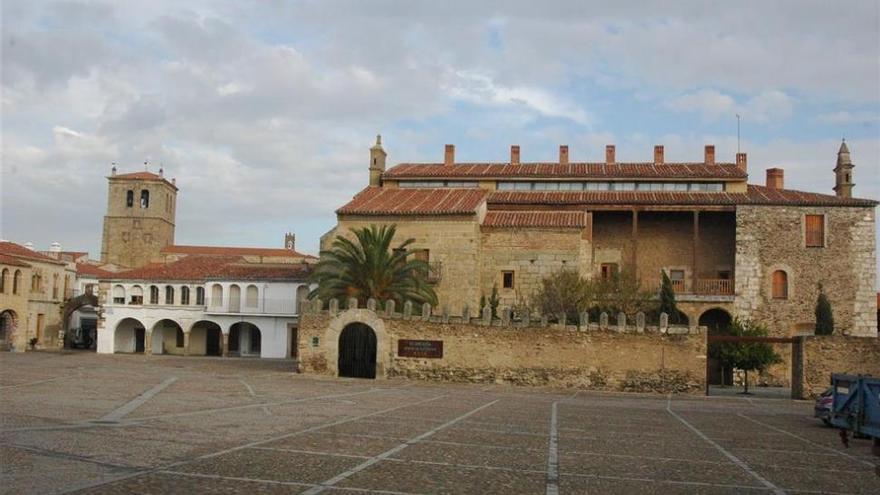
(712, 105)
(849, 117)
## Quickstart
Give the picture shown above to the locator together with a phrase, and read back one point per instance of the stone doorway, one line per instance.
(139, 339)
(212, 342)
(716, 320)
(357, 351)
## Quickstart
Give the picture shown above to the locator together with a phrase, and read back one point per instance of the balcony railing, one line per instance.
(704, 287)
(259, 306)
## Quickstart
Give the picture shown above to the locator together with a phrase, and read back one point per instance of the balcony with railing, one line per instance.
(702, 287)
(259, 306)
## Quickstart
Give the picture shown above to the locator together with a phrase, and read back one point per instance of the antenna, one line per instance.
(737, 132)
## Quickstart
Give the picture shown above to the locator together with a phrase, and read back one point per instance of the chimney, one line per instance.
(742, 162)
(709, 155)
(563, 153)
(609, 153)
(658, 154)
(514, 154)
(449, 155)
(775, 178)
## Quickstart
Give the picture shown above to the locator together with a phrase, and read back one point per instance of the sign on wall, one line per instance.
(432, 349)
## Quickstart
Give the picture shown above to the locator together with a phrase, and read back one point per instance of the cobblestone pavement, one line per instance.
(89, 423)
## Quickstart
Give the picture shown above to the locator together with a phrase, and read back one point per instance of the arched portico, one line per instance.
(206, 339)
(168, 337)
(364, 317)
(129, 336)
(8, 325)
(245, 339)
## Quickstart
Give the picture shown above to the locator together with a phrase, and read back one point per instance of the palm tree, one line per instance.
(366, 267)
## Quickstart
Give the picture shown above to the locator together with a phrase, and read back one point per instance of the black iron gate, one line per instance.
(357, 351)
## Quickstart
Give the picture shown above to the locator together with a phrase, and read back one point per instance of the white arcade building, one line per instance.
(204, 305)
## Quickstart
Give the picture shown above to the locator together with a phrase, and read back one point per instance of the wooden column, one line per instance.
(635, 244)
(696, 244)
(186, 343)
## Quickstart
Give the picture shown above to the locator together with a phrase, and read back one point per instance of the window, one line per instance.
(154, 294)
(129, 198)
(814, 229)
(217, 295)
(16, 281)
(180, 339)
(118, 295)
(608, 271)
(55, 286)
(169, 294)
(780, 285)
(145, 199)
(40, 322)
(184, 295)
(507, 279)
(251, 295)
(90, 289)
(724, 274)
(676, 274)
(200, 296)
(422, 254)
(137, 295)
(3, 278)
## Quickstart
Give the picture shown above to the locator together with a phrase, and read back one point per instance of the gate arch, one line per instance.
(365, 317)
(129, 336)
(357, 351)
(8, 325)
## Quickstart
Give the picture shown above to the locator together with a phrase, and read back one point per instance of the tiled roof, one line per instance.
(388, 201)
(233, 251)
(19, 251)
(721, 171)
(8, 260)
(537, 219)
(199, 268)
(756, 195)
(93, 271)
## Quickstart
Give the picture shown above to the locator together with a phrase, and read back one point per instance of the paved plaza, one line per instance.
(86, 423)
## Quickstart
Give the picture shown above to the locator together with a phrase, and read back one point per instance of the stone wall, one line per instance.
(824, 355)
(17, 305)
(133, 236)
(771, 238)
(594, 356)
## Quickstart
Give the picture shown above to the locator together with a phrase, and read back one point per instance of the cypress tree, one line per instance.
(824, 316)
(667, 299)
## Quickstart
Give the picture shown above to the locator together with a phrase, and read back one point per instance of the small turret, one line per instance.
(377, 162)
(843, 183)
(289, 241)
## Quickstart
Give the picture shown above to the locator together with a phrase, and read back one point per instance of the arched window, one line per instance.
(16, 281)
(145, 199)
(200, 296)
(3, 277)
(780, 285)
(137, 295)
(55, 286)
(216, 295)
(154, 294)
(169, 294)
(251, 296)
(35, 282)
(129, 198)
(234, 298)
(118, 294)
(184, 295)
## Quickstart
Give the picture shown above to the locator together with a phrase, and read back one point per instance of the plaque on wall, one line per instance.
(420, 348)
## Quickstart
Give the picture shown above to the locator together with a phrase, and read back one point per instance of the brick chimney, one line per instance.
(609, 153)
(742, 162)
(775, 178)
(563, 153)
(709, 155)
(514, 154)
(658, 154)
(449, 155)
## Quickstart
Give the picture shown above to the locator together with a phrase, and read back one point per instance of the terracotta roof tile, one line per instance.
(8, 260)
(19, 251)
(233, 251)
(199, 268)
(387, 201)
(635, 170)
(90, 270)
(537, 219)
(756, 195)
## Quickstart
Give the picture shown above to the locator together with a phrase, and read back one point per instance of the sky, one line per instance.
(264, 111)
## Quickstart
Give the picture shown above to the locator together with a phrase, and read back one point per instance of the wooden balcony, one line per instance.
(704, 287)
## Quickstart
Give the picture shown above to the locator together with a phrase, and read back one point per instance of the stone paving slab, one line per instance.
(160, 483)
(272, 465)
(473, 455)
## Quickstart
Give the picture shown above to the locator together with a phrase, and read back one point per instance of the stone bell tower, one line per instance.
(843, 183)
(377, 162)
(141, 208)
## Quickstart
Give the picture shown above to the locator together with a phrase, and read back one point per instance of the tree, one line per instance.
(747, 356)
(366, 267)
(667, 299)
(567, 292)
(563, 292)
(824, 316)
(494, 301)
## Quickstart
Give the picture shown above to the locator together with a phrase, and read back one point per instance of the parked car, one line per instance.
(822, 409)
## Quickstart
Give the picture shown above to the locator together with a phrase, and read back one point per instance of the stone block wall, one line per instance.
(600, 357)
(770, 238)
(824, 355)
(133, 236)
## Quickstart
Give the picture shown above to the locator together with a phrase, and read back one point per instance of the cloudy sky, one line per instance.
(264, 111)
